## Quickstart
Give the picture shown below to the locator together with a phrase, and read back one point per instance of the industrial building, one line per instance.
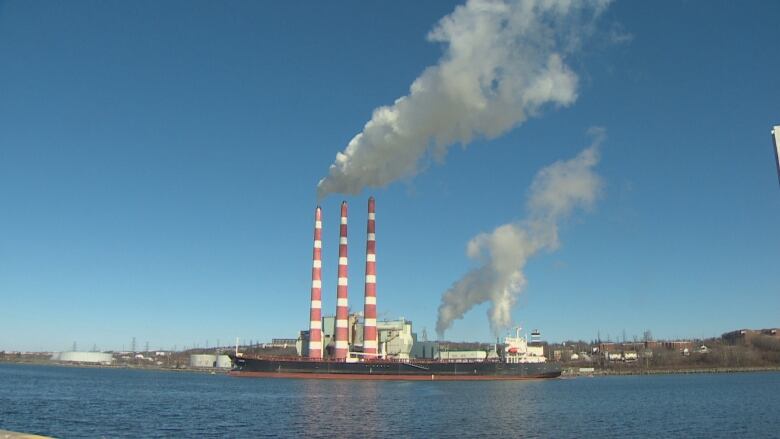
(348, 334)
(359, 334)
(394, 337)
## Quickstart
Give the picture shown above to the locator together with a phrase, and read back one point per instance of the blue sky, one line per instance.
(159, 164)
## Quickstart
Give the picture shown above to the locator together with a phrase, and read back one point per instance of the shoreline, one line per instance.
(573, 372)
(210, 371)
(568, 372)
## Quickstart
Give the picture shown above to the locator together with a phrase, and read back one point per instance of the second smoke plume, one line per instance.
(555, 192)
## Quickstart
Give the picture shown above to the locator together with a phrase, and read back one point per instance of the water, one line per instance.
(74, 402)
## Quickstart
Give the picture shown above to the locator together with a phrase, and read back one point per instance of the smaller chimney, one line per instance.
(315, 316)
(342, 306)
(369, 307)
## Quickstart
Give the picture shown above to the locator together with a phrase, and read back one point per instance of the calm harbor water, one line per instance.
(75, 402)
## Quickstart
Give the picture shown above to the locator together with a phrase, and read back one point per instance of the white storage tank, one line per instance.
(202, 360)
(223, 362)
(83, 357)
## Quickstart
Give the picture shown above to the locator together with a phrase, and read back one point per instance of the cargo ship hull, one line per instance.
(392, 370)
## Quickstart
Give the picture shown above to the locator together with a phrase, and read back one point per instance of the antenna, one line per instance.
(776, 141)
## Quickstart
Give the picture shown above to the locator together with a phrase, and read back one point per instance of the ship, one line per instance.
(518, 361)
(340, 348)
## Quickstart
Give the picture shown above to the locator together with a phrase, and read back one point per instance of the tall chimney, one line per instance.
(315, 323)
(369, 310)
(342, 307)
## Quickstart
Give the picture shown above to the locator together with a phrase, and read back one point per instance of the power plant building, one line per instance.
(361, 335)
(358, 346)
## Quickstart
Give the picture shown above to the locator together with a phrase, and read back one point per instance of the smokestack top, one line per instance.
(371, 204)
(343, 208)
(318, 213)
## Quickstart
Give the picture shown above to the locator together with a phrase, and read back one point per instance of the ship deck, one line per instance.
(415, 370)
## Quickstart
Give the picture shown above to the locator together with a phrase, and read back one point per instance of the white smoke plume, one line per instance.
(504, 61)
(555, 192)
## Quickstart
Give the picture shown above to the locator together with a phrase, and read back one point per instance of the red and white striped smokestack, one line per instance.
(369, 309)
(342, 307)
(315, 323)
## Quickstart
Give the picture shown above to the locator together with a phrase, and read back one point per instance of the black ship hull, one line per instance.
(391, 370)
